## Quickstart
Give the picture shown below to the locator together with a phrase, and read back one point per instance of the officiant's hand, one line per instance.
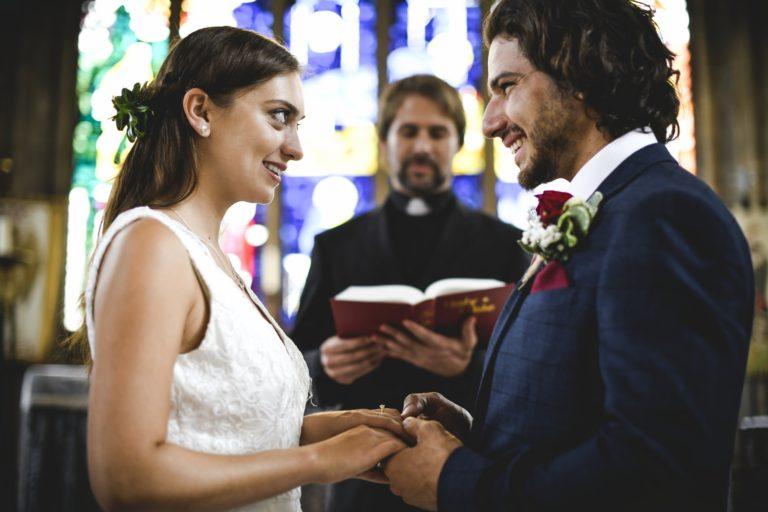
(414, 472)
(434, 406)
(347, 359)
(443, 355)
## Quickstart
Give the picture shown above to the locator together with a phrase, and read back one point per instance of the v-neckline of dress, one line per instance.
(245, 290)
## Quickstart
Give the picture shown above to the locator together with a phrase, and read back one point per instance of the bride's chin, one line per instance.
(263, 196)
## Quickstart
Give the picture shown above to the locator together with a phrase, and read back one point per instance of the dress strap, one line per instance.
(194, 248)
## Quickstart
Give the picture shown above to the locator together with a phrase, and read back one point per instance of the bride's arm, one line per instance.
(145, 294)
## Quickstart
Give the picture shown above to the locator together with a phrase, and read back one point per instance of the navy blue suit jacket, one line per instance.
(621, 391)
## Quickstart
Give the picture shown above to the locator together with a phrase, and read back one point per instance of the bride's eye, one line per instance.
(280, 115)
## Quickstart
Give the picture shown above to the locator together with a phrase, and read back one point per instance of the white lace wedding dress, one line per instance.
(244, 389)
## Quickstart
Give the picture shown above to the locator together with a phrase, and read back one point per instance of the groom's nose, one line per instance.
(494, 119)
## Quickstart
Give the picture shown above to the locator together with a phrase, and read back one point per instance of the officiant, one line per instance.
(419, 235)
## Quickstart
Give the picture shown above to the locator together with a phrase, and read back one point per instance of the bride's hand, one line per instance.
(321, 426)
(352, 453)
(385, 419)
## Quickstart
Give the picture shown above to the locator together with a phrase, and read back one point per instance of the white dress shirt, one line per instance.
(599, 167)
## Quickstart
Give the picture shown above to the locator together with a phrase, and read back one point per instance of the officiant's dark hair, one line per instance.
(606, 52)
(428, 86)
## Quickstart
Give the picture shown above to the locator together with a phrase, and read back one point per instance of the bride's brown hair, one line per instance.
(160, 169)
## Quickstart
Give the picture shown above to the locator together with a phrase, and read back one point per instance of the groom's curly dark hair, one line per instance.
(607, 51)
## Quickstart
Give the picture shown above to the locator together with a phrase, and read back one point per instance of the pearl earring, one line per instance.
(204, 130)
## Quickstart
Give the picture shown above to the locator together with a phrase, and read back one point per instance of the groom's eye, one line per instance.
(506, 87)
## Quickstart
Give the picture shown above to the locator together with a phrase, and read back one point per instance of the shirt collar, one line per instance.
(418, 207)
(605, 161)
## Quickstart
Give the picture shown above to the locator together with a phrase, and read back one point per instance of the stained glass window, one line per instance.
(336, 43)
(120, 43)
(443, 38)
(196, 14)
(125, 41)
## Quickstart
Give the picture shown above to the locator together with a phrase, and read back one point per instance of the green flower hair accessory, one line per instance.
(133, 110)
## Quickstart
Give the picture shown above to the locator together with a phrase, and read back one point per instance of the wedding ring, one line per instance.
(379, 465)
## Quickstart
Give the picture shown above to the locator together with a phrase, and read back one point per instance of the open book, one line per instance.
(442, 307)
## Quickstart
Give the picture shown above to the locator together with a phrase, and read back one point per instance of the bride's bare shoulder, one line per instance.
(149, 252)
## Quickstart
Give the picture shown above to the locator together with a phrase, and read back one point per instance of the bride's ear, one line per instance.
(196, 104)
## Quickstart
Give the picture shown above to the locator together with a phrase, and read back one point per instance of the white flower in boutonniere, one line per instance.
(558, 224)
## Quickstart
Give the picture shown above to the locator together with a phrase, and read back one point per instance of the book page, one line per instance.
(396, 293)
(460, 284)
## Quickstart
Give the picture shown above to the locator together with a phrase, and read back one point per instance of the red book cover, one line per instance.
(444, 313)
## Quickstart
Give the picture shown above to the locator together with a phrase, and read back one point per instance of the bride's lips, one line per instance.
(275, 170)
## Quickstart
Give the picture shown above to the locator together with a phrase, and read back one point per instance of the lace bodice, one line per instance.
(244, 389)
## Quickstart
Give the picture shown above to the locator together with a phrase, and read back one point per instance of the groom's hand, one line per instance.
(434, 406)
(442, 355)
(414, 472)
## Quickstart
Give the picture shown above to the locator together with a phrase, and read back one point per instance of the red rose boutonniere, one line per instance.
(550, 206)
(559, 223)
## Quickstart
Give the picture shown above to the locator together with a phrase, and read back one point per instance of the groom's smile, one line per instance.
(538, 121)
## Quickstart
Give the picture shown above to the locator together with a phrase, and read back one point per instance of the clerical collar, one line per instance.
(420, 206)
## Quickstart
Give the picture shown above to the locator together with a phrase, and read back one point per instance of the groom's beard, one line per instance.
(553, 140)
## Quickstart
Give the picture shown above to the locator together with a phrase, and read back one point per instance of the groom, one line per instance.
(613, 378)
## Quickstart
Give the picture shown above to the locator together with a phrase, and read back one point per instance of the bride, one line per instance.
(197, 396)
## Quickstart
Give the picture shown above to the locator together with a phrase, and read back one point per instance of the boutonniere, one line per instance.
(558, 224)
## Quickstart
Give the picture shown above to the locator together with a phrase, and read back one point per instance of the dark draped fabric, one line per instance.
(54, 472)
(749, 492)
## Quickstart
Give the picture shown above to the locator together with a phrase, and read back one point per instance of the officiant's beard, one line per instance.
(417, 187)
(553, 140)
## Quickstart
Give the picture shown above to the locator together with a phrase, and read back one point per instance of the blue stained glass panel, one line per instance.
(335, 41)
(416, 55)
(256, 16)
(311, 205)
(513, 203)
(474, 34)
(469, 190)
